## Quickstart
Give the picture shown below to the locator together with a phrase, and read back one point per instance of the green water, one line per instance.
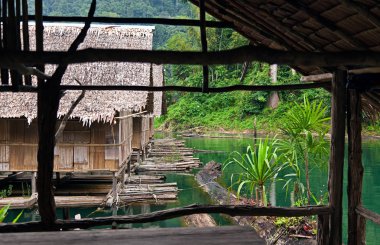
(318, 178)
(191, 193)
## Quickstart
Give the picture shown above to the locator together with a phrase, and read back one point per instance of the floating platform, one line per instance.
(168, 155)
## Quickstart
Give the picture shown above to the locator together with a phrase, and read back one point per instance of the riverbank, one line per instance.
(264, 226)
(248, 133)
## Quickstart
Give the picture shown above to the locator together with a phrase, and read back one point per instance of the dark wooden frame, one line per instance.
(329, 218)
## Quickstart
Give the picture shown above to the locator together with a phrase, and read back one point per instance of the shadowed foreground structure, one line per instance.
(337, 42)
(186, 236)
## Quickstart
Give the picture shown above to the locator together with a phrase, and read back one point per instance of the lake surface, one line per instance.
(318, 177)
(191, 193)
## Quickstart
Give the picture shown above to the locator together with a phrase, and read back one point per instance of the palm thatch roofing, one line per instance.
(99, 106)
(306, 25)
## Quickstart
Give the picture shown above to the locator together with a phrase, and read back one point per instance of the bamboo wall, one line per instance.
(79, 148)
(125, 135)
(141, 132)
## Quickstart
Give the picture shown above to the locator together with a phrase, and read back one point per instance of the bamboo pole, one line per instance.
(335, 182)
(4, 72)
(225, 57)
(202, 18)
(25, 34)
(356, 223)
(158, 21)
(283, 87)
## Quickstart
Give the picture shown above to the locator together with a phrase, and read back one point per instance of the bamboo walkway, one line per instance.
(163, 236)
(168, 155)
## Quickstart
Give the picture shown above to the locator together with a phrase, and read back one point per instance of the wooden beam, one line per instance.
(202, 19)
(117, 20)
(368, 214)
(232, 56)
(25, 34)
(356, 224)
(319, 77)
(336, 163)
(282, 87)
(240, 210)
(4, 72)
(329, 76)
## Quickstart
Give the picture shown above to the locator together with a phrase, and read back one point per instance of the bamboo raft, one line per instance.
(168, 155)
(148, 192)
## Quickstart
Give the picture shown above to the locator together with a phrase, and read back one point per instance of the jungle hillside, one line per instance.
(233, 111)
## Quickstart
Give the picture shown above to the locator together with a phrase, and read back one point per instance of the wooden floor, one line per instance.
(158, 236)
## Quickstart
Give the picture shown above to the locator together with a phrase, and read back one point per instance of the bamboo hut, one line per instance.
(99, 133)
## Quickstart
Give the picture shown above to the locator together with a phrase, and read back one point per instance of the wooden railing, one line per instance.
(240, 210)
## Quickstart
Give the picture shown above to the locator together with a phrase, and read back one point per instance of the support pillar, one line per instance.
(356, 223)
(114, 188)
(336, 163)
(33, 183)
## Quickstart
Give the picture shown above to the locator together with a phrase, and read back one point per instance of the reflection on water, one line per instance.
(190, 192)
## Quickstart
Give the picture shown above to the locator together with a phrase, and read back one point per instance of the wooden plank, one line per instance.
(137, 135)
(163, 236)
(4, 149)
(336, 163)
(97, 154)
(30, 152)
(81, 153)
(232, 210)
(16, 153)
(368, 214)
(111, 137)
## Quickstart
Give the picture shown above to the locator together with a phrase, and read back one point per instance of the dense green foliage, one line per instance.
(125, 8)
(230, 111)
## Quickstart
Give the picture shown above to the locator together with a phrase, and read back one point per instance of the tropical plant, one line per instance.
(305, 129)
(4, 213)
(258, 166)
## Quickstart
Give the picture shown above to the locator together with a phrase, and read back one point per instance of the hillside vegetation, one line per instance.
(233, 111)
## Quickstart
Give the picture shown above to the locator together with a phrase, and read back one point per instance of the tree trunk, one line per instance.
(48, 102)
(273, 98)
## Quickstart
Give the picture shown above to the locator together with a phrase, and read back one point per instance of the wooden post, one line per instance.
(356, 223)
(335, 182)
(323, 229)
(33, 183)
(66, 213)
(122, 177)
(114, 187)
(129, 168)
(57, 178)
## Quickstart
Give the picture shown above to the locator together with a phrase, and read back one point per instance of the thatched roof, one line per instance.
(96, 105)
